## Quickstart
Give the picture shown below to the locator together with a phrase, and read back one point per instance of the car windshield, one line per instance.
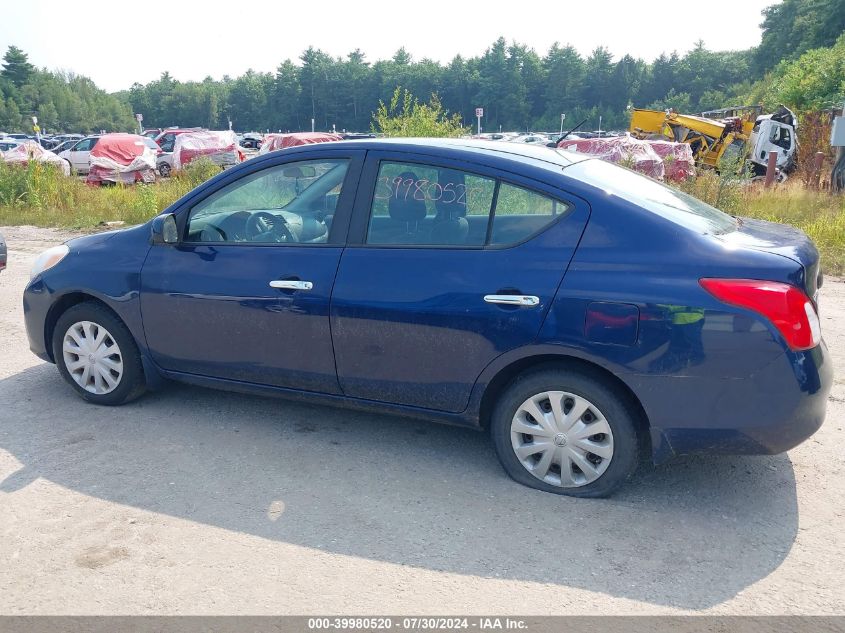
(672, 204)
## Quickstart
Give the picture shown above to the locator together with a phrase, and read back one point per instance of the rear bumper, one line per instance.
(770, 412)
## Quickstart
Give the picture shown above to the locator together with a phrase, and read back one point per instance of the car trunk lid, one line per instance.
(781, 239)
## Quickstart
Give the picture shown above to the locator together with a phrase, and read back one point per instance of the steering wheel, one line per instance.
(263, 226)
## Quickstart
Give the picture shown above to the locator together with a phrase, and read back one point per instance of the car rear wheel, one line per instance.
(97, 356)
(164, 170)
(565, 432)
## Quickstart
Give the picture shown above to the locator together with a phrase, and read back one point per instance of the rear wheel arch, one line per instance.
(534, 364)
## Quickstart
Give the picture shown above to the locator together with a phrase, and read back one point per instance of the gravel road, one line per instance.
(191, 501)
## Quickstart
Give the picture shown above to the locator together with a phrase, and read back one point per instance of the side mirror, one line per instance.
(164, 230)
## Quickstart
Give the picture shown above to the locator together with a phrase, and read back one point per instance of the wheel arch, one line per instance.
(62, 305)
(544, 361)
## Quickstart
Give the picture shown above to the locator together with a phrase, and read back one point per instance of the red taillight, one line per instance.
(787, 307)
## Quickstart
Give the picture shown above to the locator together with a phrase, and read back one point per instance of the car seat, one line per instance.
(406, 212)
(450, 223)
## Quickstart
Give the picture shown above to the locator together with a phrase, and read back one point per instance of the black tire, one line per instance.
(617, 410)
(164, 170)
(131, 384)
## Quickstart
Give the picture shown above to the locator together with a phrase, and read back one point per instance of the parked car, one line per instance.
(79, 155)
(3, 253)
(540, 139)
(29, 151)
(579, 312)
(123, 158)
(250, 140)
(50, 142)
(8, 143)
(64, 145)
(167, 138)
(273, 142)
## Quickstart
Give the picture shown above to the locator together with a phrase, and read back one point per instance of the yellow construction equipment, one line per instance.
(740, 132)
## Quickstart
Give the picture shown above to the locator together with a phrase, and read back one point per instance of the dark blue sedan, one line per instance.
(582, 314)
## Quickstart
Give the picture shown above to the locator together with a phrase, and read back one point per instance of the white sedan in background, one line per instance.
(79, 156)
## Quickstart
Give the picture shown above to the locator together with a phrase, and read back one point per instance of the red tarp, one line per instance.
(281, 141)
(677, 158)
(658, 159)
(30, 150)
(122, 158)
(219, 147)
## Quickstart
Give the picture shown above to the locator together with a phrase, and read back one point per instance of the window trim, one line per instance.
(365, 196)
(336, 237)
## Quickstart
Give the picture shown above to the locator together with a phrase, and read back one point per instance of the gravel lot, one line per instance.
(192, 501)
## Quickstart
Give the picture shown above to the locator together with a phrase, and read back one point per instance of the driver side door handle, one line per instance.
(528, 301)
(291, 284)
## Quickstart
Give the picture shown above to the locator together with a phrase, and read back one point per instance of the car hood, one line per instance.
(95, 239)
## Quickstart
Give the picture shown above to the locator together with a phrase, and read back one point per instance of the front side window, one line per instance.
(781, 137)
(291, 203)
(85, 146)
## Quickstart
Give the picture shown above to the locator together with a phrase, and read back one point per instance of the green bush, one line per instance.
(406, 116)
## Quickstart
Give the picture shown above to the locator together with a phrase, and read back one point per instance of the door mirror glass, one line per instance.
(165, 230)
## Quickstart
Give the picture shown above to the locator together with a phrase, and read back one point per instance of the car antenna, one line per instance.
(557, 142)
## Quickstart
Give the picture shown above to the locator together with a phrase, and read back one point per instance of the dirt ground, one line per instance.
(191, 501)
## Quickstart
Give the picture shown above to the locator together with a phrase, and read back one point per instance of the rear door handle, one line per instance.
(291, 284)
(528, 301)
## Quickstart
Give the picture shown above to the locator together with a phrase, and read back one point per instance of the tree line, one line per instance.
(519, 88)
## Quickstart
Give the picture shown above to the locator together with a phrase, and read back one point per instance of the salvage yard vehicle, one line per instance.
(3, 252)
(123, 158)
(579, 312)
(27, 152)
(8, 143)
(733, 134)
(78, 157)
(273, 142)
(221, 148)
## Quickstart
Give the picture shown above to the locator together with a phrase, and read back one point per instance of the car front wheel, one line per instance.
(97, 356)
(565, 432)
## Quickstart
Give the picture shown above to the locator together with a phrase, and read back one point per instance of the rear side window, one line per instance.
(427, 205)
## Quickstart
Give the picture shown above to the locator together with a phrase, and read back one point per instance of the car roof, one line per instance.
(467, 149)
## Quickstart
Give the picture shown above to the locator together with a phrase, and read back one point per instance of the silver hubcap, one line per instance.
(562, 439)
(92, 357)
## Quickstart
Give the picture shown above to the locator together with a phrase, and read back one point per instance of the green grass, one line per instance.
(41, 196)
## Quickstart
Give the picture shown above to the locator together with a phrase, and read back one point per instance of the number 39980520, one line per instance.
(425, 190)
